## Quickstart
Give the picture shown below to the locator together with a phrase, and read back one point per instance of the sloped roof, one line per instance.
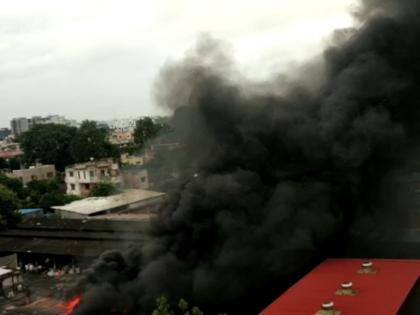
(90, 206)
(381, 293)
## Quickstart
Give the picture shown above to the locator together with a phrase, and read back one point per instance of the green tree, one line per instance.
(91, 141)
(9, 203)
(103, 190)
(163, 307)
(55, 198)
(3, 164)
(48, 144)
(13, 184)
(14, 163)
(146, 129)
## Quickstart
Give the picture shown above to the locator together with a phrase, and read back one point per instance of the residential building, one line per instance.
(83, 177)
(19, 126)
(7, 155)
(128, 159)
(9, 150)
(123, 125)
(121, 138)
(22, 124)
(135, 178)
(36, 172)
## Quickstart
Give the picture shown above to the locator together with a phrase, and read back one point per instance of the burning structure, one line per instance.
(285, 173)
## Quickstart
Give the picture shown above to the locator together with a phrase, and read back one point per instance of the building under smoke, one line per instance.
(280, 175)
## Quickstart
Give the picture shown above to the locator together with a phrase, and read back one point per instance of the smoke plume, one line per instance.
(281, 172)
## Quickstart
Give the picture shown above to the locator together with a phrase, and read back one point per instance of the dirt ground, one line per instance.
(46, 298)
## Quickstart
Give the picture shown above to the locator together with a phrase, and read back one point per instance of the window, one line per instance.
(92, 174)
(103, 172)
(84, 174)
(78, 174)
(34, 177)
(87, 186)
(72, 187)
(143, 179)
(50, 174)
(71, 174)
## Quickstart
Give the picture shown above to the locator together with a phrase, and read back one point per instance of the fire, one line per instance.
(72, 304)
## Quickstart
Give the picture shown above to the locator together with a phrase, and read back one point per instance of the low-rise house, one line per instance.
(36, 172)
(135, 178)
(9, 150)
(128, 159)
(81, 178)
(8, 155)
(121, 138)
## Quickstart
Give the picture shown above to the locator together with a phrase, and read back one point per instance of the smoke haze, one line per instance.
(281, 172)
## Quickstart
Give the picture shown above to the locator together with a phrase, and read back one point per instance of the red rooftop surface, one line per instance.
(382, 293)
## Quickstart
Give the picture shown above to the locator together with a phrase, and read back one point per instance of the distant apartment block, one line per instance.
(83, 177)
(22, 124)
(37, 172)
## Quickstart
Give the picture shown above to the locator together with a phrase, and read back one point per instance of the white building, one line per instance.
(83, 177)
(123, 125)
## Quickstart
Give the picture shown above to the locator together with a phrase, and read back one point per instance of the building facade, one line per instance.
(128, 159)
(135, 178)
(83, 177)
(23, 124)
(121, 138)
(37, 172)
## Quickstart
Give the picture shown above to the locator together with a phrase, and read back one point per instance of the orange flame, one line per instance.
(72, 304)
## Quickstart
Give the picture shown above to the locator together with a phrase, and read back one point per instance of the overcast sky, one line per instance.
(98, 59)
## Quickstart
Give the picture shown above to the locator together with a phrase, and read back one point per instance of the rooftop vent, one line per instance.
(346, 289)
(327, 308)
(367, 268)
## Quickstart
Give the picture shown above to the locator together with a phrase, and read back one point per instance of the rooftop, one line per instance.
(92, 205)
(93, 163)
(382, 292)
(4, 271)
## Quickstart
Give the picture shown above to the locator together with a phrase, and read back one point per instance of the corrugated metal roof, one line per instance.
(381, 293)
(94, 205)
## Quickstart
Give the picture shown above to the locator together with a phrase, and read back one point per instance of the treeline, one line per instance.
(63, 145)
(36, 194)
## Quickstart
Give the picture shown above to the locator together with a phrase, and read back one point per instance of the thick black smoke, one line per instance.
(279, 177)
